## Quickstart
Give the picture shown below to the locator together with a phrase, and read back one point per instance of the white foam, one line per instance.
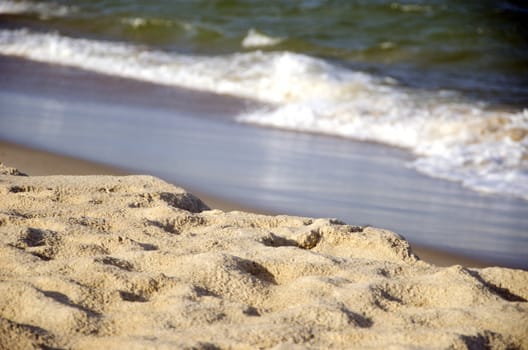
(44, 10)
(257, 39)
(462, 147)
(270, 77)
(139, 22)
(410, 7)
(452, 138)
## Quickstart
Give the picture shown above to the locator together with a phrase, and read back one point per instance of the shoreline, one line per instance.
(190, 138)
(37, 162)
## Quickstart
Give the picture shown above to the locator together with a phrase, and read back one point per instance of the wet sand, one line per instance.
(41, 163)
(36, 162)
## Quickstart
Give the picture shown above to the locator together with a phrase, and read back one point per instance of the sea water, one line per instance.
(446, 80)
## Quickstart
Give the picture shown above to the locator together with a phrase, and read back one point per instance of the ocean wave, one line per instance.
(410, 7)
(138, 22)
(453, 138)
(43, 10)
(257, 39)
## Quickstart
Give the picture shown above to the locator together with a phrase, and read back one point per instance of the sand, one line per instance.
(134, 262)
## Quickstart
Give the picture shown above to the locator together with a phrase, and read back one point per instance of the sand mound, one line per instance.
(133, 262)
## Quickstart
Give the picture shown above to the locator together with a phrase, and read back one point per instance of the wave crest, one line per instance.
(257, 39)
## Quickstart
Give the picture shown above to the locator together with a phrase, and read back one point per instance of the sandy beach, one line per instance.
(134, 262)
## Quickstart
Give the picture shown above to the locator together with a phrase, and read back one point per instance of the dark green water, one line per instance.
(479, 47)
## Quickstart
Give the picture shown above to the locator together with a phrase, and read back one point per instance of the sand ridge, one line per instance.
(135, 262)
